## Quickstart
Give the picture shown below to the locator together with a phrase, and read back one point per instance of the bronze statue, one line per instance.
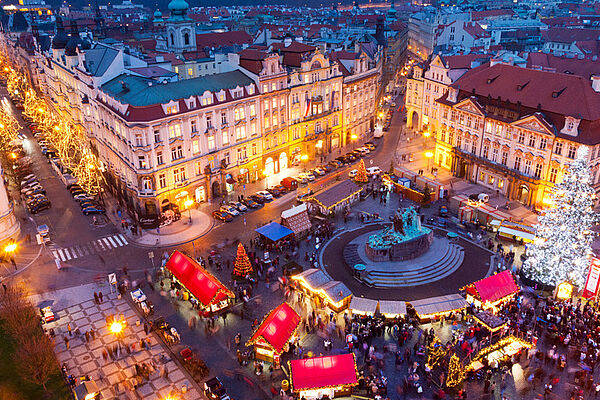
(398, 223)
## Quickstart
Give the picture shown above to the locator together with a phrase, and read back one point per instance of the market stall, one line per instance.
(202, 287)
(331, 376)
(336, 197)
(491, 292)
(435, 307)
(502, 350)
(362, 306)
(274, 232)
(296, 218)
(392, 309)
(323, 290)
(490, 321)
(516, 232)
(272, 336)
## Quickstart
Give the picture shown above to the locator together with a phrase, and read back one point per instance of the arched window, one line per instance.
(172, 40)
(186, 38)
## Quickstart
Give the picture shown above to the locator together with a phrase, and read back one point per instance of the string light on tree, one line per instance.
(242, 266)
(361, 173)
(435, 352)
(456, 373)
(562, 247)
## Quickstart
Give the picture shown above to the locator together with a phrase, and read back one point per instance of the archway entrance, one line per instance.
(165, 205)
(269, 167)
(523, 196)
(216, 189)
(414, 120)
(283, 161)
(461, 171)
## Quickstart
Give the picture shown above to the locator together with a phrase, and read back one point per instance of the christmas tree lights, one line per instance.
(456, 373)
(435, 352)
(242, 266)
(562, 247)
(361, 174)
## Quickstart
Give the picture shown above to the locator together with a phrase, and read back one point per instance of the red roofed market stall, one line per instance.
(491, 292)
(334, 376)
(211, 294)
(278, 328)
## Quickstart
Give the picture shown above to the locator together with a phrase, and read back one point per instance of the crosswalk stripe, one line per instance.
(101, 245)
(85, 250)
(55, 253)
(112, 241)
(117, 240)
(76, 251)
(62, 256)
(67, 254)
(107, 244)
(123, 239)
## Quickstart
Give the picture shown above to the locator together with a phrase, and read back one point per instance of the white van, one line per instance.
(373, 170)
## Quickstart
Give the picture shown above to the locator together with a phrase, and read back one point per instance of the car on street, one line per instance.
(301, 179)
(364, 150)
(229, 209)
(274, 192)
(266, 195)
(282, 189)
(93, 210)
(326, 167)
(335, 163)
(238, 206)
(222, 216)
(83, 197)
(250, 203)
(350, 157)
(310, 177)
(214, 389)
(358, 153)
(370, 145)
(353, 173)
(373, 171)
(319, 171)
(35, 207)
(289, 183)
(258, 199)
(86, 204)
(304, 196)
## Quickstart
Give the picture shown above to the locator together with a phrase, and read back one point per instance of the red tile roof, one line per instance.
(584, 67)
(567, 35)
(294, 47)
(251, 59)
(321, 372)
(464, 61)
(476, 30)
(224, 39)
(277, 328)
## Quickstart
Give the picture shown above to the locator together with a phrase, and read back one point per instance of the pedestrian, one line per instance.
(166, 372)
(4, 287)
(69, 329)
(96, 298)
(87, 336)
(93, 333)
(105, 355)
(145, 328)
(14, 263)
(100, 296)
(66, 339)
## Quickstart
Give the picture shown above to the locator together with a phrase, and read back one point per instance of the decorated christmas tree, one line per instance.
(435, 352)
(242, 266)
(562, 247)
(456, 373)
(361, 174)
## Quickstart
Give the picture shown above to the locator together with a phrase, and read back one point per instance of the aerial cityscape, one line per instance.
(351, 200)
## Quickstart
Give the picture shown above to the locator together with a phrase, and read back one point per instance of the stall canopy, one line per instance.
(360, 305)
(391, 309)
(296, 218)
(439, 305)
(337, 194)
(205, 287)
(320, 372)
(277, 328)
(274, 231)
(315, 280)
(494, 287)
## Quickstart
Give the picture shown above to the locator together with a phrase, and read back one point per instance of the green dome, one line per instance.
(178, 5)
(157, 14)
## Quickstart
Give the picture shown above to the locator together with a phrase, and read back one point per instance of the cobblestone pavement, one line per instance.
(115, 376)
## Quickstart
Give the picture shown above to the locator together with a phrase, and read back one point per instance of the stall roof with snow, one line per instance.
(392, 308)
(433, 306)
(360, 305)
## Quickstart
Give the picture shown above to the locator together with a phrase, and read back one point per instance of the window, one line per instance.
(488, 127)
(190, 72)
(543, 143)
(296, 133)
(225, 137)
(194, 126)
(207, 101)
(198, 168)
(253, 129)
(171, 109)
(451, 138)
(162, 181)
(174, 131)
(267, 122)
(275, 120)
(274, 102)
(481, 177)
(240, 132)
(553, 173)
(538, 171)
(273, 86)
(282, 102)
(157, 138)
(222, 96)
(139, 139)
(176, 153)
(266, 105)
(252, 110)
(518, 163)
(527, 167)
(499, 130)
(254, 151)
(531, 140)
(486, 151)
(142, 162)
(209, 123)
(251, 90)
(223, 118)
(572, 151)
(179, 174)
(159, 158)
(504, 160)
(500, 183)
(226, 158)
(240, 113)
(211, 142)
(521, 137)
(474, 146)
(195, 146)
(558, 148)
(495, 155)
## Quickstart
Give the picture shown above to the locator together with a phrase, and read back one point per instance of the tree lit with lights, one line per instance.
(562, 248)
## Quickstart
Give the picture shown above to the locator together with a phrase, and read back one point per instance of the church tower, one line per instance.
(181, 33)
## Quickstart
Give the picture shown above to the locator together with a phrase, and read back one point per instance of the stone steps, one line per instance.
(421, 275)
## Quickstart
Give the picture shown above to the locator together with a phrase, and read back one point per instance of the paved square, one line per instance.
(115, 376)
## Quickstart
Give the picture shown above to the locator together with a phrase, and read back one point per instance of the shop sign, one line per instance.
(593, 280)
(148, 221)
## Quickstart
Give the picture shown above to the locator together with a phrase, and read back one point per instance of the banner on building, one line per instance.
(593, 280)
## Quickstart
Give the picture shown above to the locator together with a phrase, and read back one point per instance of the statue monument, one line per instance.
(404, 240)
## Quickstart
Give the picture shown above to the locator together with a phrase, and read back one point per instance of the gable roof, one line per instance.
(494, 287)
(222, 39)
(567, 35)
(319, 372)
(475, 30)
(98, 59)
(277, 328)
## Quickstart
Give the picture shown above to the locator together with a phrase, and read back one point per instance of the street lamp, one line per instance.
(116, 327)
(428, 155)
(304, 158)
(188, 204)
(353, 138)
(10, 248)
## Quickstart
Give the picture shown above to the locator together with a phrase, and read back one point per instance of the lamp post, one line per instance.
(116, 327)
(428, 155)
(304, 158)
(188, 204)
(10, 250)
(353, 138)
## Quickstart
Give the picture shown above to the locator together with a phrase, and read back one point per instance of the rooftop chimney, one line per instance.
(596, 83)
(287, 41)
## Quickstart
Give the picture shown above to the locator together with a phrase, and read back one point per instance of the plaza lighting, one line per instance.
(354, 136)
(188, 204)
(10, 248)
(428, 154)
(304, 157)
(116, 328)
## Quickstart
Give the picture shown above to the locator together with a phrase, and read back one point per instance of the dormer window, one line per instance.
(571, 126)
(250, 89)
(221, 95)
(206, 101)
(171, 110)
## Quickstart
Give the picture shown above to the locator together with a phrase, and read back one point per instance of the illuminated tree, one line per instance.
(242, 266)
(456, 373)
(9, 129)
(361, 173)
(435, 352)
(562, 247)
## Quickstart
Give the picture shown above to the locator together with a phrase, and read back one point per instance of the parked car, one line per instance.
(258, 199)
(274, 192)
(358, 153)
(341, 160)
(266, 195)
(318, 171)
(250, 203)
(373, 171)
(301, 179)
(35, 190)
(38, 206)
(351, 157)
(77, 192)
(302, 197)
(370, 145)
(229, 209)
(238, 206)
(352, 173)
(326, 167)
(308, 176)
(289, 183)
(83, 197)
(282, 189)
(335, 163)
(222, 216)
(86, 204)
(364, 150)
(214, 389)
(93, 210)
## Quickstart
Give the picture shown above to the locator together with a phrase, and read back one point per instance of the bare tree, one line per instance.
(20, 316)
(36, 359)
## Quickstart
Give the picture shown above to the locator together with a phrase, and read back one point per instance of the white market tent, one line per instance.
(427, 308)
(392, 309)
(362, 306)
